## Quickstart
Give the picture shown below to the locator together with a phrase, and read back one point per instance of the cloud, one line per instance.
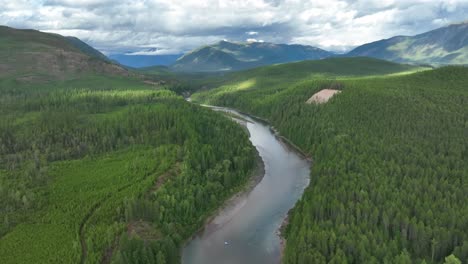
(251, 33)
(154, 52)
(252, 40)
(78, 3)
(139, 26)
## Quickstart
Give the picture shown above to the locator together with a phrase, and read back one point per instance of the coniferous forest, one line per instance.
(120, 173)
(320, 157)
(389, 179)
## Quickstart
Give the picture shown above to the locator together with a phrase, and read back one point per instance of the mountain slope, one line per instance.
(224, 56)
(30, 54)
(85, 48)
(446, 45)
(276, 79)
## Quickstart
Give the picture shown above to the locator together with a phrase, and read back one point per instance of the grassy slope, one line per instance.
(388, 154)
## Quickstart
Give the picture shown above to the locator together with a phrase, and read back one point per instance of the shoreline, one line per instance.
(232, 203)
(259, 173)
(256, 176)
(281, 235)
(293, 148)
(277, 134)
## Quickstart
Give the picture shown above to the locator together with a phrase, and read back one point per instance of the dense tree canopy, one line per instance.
(389, 181)
(101, 169)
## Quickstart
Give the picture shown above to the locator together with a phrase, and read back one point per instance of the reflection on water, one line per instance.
(246, 232)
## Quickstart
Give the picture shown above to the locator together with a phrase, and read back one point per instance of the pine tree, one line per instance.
(452, 260)
(160, 258)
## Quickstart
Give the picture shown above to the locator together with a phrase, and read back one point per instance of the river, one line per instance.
(246, 229)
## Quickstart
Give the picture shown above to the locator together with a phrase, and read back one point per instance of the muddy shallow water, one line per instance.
(246, 229)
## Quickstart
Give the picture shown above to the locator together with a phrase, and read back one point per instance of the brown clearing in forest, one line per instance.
(322, 96)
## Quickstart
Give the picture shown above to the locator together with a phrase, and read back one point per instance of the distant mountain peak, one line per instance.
(445, 45)
(459, 23)
(226, 55)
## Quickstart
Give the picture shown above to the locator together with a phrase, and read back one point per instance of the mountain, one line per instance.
(85, 48)
(226, 56)
(139, 61)
(30, 54)
(446, 45)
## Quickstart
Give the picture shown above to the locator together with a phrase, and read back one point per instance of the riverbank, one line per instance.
(273, 195)
(277, 134)
(290, 145)
(235, 200)
(224, 215)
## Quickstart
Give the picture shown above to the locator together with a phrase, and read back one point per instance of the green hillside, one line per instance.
(446, 45)
(275, 78)
(389, 174)
(31, 55)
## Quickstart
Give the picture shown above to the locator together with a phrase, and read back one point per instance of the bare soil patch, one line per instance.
(322, 96)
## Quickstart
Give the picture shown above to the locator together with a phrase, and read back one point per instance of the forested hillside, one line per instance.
(102, 169)
(389, 181)
(275, 78)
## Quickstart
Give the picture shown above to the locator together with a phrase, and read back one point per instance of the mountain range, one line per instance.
(442, 46)
(226, 56)
(24, 52)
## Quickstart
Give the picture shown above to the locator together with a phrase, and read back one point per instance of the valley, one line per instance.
(234, 152)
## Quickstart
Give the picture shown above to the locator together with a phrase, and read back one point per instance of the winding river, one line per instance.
(246, 229)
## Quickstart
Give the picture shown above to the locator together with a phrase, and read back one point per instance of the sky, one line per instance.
(162, 27)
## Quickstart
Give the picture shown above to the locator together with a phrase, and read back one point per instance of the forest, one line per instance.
(110, 170)
(389, 179)
(234, 132)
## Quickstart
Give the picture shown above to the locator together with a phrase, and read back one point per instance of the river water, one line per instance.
(246, 230)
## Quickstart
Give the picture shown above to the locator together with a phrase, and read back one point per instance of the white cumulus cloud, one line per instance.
(252, 40)
(136, 26)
